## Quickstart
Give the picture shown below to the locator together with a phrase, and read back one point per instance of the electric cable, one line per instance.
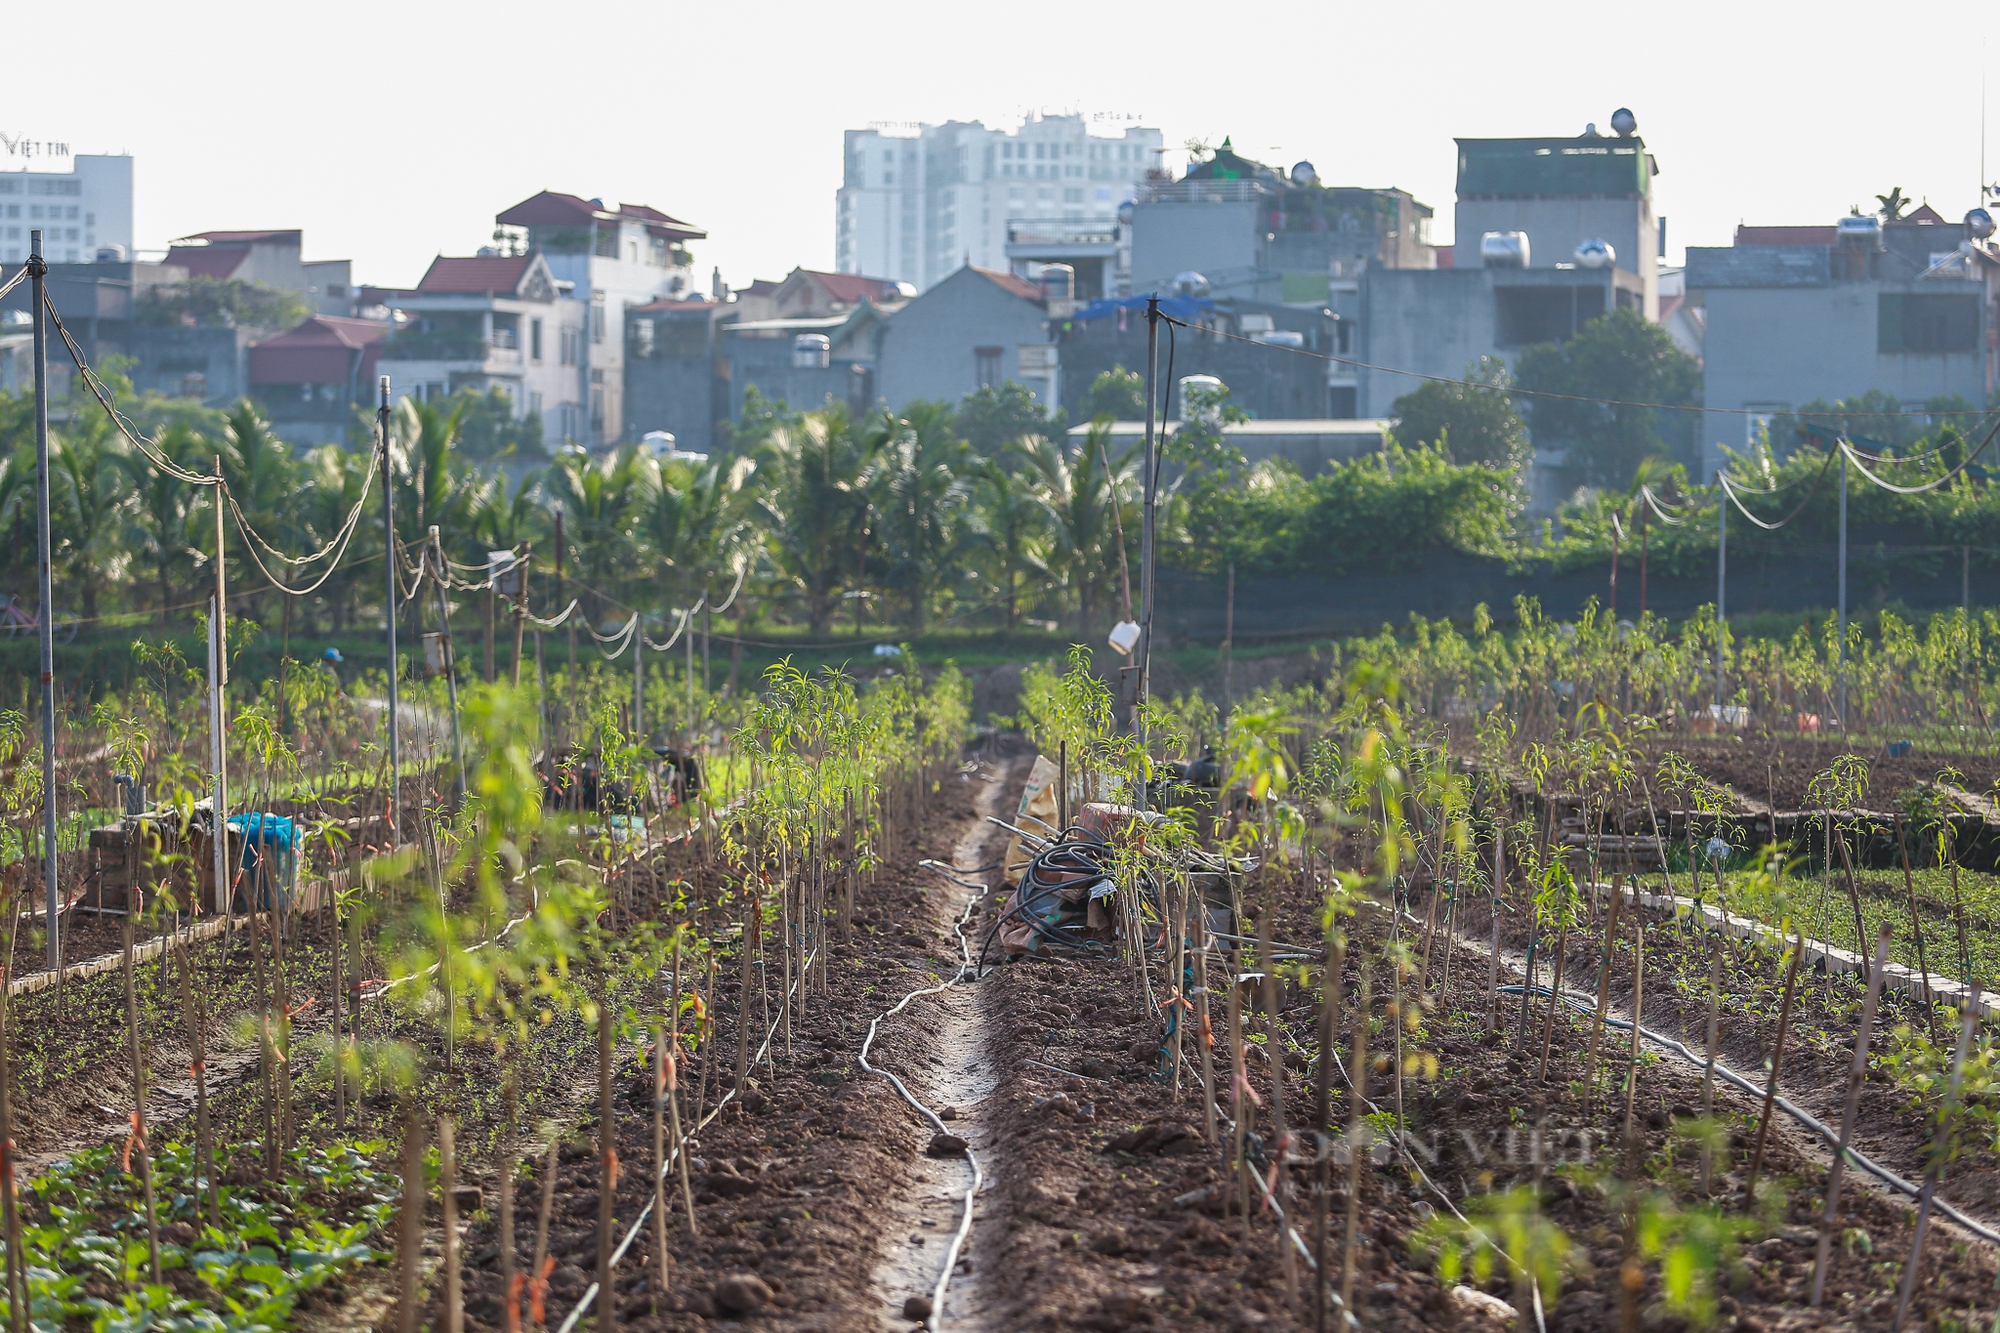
(1728, 489)
(1854, 456)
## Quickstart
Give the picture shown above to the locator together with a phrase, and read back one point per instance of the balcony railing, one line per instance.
(446, 347)
(1061, 231)
(1202, 192)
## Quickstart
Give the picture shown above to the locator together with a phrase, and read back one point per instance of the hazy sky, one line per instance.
(393, 132)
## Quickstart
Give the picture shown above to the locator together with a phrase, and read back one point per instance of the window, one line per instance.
(986, 367)
(597, 317)
(569, 347)
(535, 341)
(337, 290)
(597, 400)
(1926, 325)
(1543, 314)
(194, 384)
(1072, 196)
(607, 240)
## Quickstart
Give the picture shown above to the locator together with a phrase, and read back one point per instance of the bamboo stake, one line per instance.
(1916, 926)
(1238, 1112)
(1708, 1069)
(10, 1218)
(538, 1277)
(1857, 1072)
(509, 1267)
(1357, 1136)
(1965, 1025)
(607, 1178)
(1555, 999)
(1207, 1035)
(193, 1015)
(663, 1063)
(454, 1290)
(410, 1222)
(1274, 1047)
(1777, 1062)
(136, 1144)
(1603, 989)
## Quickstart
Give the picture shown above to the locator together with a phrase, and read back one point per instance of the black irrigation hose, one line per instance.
(1785, 1104)
(1076, 859)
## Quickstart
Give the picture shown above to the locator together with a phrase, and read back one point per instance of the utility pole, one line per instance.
(639, 677)
(1840, 699)
(38, 271)
(450, 656)
(1721, 577)
(1614, 570)
(1146, 542)
(218, 637)
(389, 607)
(1645, 510)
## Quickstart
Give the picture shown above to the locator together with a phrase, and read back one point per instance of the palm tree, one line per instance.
(693, 522)
(331, 483)
(430, 490)
(1009, 525)
(88, 491)
(815, 509)
(601, 500)
(1074, 491)
(264, 481)
(162, 528)
(919, 495)
(1894, 204)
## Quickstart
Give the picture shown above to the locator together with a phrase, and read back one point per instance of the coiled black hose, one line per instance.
(1077, 860)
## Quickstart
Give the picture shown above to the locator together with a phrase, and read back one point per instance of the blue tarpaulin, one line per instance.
(1174, 307)
(270, 841)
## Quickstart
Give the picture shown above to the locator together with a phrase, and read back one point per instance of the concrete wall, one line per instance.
(927, 348)
(1219, 241)
(1432, 321)
(1267, 382)
(166, 359)
(1787, 346)
(1554, 228)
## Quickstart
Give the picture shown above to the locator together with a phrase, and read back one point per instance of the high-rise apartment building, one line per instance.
(918, 202)
(79, 211)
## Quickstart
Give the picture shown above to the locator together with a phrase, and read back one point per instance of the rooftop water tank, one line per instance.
(812, 351)
(1504, 249)
(1202, 386)
(1594, 253)
(1191, 283)
(1860, 229)
(1979, 223)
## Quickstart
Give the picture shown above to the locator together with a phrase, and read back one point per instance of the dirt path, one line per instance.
(918, 1225)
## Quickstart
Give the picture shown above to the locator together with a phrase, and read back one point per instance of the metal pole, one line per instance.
(450, 665)
(38, 269)
(389, 573)
(219, 637)
(1146, 540)
(687, 632)
(638, 677)
(1840, 702)
(224, 900)
(1721, 580)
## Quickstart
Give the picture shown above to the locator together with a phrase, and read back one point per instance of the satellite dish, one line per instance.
(1623, 122)
(1979, 222)
(1125, 210)
(1304, 176)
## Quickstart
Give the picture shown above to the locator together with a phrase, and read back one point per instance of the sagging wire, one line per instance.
(1652, 500)
(1854, 456)
(125, 427)
(1729, 490)
(687, 618)
(338, 546)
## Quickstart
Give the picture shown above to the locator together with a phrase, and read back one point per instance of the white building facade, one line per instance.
(918, 202)
(80, 211)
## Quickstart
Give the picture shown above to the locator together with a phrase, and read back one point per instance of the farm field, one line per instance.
(1334, 1029)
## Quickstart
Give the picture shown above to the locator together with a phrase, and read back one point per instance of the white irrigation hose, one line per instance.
(978, 1177)
(1785, 1104)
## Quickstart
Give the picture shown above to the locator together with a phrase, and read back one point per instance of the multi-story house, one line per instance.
(919, 202)
(494, 321)
(85, 213)
(607, 261)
